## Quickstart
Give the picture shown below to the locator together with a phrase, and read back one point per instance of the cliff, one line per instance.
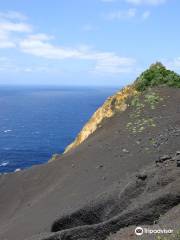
(156, 75)
(114, 104)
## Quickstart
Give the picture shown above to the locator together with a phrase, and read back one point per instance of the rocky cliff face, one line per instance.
(113, 104)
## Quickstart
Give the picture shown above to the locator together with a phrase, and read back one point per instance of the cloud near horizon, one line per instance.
(138, 2)
(122, 14)
(12, 23)
(13, 15)
(107, 62)
(146, 2)
(128, 14)
(133, 11)
(15, 33)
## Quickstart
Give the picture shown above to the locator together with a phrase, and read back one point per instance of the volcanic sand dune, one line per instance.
(109, 183)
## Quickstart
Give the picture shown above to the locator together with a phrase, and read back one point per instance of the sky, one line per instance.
(86, 42)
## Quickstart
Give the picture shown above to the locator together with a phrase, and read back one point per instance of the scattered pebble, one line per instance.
(178, 163)
(177, 153)
(141, 176)
(177, 158)
(125, 150)
(163, 158)
(100, 166)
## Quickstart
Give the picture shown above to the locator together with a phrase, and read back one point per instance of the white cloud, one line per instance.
(139, 2)
(111, 63)
(39, 45)
(148, 2)
(128, 14)
(122, 14)
(19, 34)
(9, 26)
(146, 15)
(13, 15)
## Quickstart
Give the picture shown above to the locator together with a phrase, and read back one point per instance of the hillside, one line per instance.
(156, 75)
(122, 171)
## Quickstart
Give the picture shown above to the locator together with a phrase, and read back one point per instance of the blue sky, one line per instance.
(86, 42)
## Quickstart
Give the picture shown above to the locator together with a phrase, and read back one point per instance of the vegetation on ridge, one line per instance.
(156, 75)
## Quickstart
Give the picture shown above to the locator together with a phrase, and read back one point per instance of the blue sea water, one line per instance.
(36, 122)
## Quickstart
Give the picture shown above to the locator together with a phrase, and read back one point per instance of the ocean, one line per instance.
(37, 122)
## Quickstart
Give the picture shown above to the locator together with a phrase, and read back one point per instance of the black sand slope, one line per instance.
(123, 175)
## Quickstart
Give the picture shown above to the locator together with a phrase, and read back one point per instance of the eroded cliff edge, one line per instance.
(113, 104)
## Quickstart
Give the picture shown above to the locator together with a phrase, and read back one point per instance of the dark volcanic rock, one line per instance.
(178, 162)
(177, 153)
(177, 158)
(97, 220)
(163, 158)
(141, 176)
(70, 198)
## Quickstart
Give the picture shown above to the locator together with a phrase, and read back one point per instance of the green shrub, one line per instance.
(156, 75)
